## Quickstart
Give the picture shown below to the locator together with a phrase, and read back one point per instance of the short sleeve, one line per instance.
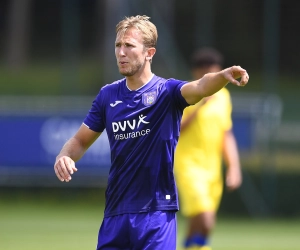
(95, 119)
(174, 89)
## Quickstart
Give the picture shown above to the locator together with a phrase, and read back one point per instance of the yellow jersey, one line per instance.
(200, 144)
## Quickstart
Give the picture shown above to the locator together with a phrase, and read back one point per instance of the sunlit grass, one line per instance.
(63, 220)
(252, 234)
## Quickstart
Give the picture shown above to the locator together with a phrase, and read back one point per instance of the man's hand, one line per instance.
(64, 167)
(236, 72)
(233, 178)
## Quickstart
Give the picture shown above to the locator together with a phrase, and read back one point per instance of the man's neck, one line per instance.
(138, 80)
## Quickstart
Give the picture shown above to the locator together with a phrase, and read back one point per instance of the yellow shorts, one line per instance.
(197, 192)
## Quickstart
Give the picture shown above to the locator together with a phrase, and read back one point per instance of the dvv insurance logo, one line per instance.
(127, 129)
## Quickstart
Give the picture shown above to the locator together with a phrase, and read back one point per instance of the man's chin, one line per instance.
(126, 73)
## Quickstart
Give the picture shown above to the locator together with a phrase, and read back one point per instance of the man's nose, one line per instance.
(122, 51)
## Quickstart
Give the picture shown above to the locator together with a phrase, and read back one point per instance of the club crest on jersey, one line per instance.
(149, 98)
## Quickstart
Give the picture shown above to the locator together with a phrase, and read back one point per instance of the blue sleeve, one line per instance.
(174, 89)
(95, 119)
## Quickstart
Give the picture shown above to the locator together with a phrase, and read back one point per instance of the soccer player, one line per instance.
(141, 114)
(205, 137)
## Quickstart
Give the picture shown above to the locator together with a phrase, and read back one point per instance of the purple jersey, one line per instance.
(143, 129)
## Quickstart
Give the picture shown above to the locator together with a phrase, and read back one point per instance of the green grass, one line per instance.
(31, 226)
(247, 234)
(68, 219)
(38, 224)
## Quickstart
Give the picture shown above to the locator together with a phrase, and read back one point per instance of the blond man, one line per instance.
(141, 114)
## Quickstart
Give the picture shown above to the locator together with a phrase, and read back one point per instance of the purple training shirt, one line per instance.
(143, 129)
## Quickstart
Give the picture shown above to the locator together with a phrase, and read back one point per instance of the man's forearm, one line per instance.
(211, 83)
(72, 149)
(230, 150)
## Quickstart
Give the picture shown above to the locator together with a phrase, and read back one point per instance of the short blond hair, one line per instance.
(142, 23)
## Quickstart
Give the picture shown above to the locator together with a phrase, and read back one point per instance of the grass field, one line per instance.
(67, 220)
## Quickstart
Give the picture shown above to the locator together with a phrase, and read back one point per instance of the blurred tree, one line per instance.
(18, 33)
(115, 11)
(166, 9)
(204, 28)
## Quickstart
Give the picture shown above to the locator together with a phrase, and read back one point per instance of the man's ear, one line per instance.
(150, 53)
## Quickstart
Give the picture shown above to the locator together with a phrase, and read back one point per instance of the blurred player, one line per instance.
(141, 114)
(205, 136)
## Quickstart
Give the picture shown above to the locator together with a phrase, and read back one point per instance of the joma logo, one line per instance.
(116, 126)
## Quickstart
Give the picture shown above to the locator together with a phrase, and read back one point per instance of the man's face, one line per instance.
(130, 52)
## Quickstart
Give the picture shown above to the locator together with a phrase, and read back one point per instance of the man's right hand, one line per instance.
(64, 167)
